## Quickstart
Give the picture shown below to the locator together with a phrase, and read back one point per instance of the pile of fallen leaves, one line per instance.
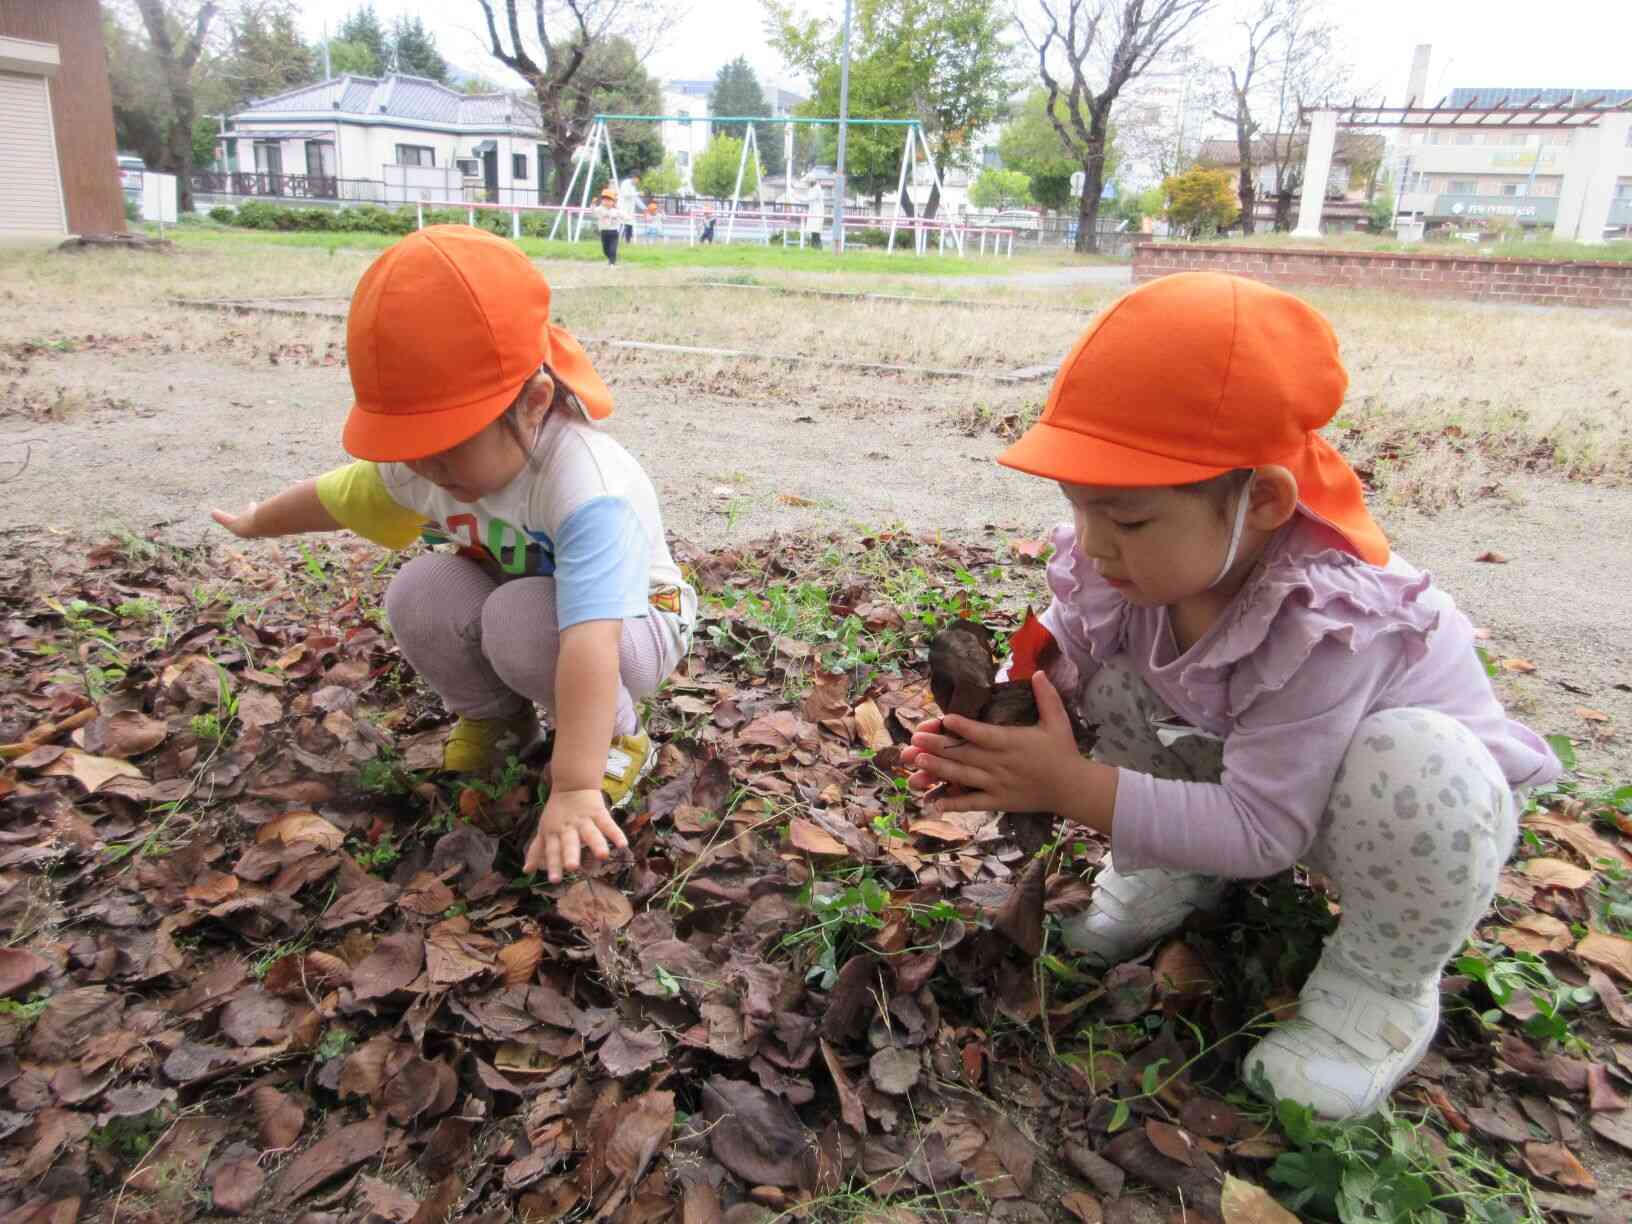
(263, 962)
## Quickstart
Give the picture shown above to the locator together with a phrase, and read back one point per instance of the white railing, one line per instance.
(756, 226)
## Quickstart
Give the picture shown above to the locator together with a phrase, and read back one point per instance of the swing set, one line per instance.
(600, 138)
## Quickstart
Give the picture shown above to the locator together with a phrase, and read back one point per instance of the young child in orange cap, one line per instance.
(609, 220)
(474, 423)
(1271, 685)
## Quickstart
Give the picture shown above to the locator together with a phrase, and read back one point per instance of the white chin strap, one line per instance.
(1236, 528)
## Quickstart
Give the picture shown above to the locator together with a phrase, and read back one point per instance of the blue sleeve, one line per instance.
(602, 563)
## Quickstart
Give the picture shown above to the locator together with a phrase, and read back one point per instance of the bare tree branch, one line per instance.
(1127, 37)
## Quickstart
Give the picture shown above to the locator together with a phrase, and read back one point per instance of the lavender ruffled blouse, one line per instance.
(1315, 641)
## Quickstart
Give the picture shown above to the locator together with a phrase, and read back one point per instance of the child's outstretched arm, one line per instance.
(297, 509)
(586, 700)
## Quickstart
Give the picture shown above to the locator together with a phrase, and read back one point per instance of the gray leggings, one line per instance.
(488, 647)
(1418, 825)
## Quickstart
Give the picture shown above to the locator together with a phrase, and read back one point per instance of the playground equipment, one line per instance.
(600, 138)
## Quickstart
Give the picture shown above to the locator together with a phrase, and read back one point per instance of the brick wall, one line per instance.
(1536, 281)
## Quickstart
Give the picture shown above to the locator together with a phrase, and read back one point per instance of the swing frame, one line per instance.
(600, 137)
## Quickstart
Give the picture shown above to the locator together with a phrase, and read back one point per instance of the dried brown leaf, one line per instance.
(279, 1119)
(519, 961)
(301, 828)
(1607, 951)
(895, 1070)
(20, 969)
(395, 962)
(627, 1050)
(593, 906)
(235, 1184)
(337, 1152)
(1556, 1163)
(809, 838)
(1244, 1203)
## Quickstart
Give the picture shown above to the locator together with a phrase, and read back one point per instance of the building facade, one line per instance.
(60, 173)
(397, 139)
(1497, 173)
(688, 130)
(1356, 159)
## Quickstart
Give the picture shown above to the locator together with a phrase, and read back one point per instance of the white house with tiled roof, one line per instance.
(396, 138)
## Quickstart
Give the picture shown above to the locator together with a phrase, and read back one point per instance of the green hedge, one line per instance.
(370, 219)
(881, 238)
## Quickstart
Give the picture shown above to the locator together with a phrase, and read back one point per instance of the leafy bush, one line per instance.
(881, 238)
(133, 210)
(372, 219)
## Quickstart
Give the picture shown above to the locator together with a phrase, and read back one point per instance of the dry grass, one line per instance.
(1445, 387)
(1444, 397)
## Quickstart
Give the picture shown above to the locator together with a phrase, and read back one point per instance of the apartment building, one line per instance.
(688, 132)
(1496, 171)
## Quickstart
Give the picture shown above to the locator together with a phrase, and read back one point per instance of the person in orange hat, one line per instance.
(475, 424)
(609, 220)
(1271, 685)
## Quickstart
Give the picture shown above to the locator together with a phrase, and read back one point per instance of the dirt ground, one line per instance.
(1480, 431)
(144, 437)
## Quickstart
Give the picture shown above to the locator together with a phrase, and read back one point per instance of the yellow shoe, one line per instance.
(630, 759)
(477, 745)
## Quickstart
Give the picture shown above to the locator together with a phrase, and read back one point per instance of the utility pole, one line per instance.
(328, 72)
(844, 119)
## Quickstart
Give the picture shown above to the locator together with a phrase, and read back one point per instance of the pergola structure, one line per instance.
(1598, 135)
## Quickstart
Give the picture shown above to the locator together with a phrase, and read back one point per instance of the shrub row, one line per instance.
(369, 219)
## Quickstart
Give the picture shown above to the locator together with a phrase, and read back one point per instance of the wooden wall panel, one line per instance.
(81, 106)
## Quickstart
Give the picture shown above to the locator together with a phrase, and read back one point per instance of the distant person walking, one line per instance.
(815, 215)
(609, 220)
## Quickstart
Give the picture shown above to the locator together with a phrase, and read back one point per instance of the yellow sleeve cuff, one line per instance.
(357, 499)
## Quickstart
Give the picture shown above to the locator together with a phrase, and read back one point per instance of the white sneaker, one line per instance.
(1130, 912)
(1349, 1046)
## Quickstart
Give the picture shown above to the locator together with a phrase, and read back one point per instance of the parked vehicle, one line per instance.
(1017, 219)
(131, 169)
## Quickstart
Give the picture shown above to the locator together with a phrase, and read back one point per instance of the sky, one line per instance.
(1492, 43)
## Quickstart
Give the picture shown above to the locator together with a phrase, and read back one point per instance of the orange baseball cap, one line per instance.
(445, 327)
(1194, 375)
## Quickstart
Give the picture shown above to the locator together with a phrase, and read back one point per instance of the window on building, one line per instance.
(268, 157)
(1623, 189)
(416, 155)
(1463, 138)
(1462, 187)
(1513, 189)
(470, 167)
(319, 159)
(518, 167)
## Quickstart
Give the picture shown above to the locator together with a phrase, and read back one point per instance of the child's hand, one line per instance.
(241, 524)
(571, 820)
(1008, 769)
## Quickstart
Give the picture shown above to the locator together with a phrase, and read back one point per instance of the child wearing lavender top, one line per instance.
(1271, 684)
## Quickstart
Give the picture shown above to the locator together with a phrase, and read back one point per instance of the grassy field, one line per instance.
(1514, 248)
(653, 255)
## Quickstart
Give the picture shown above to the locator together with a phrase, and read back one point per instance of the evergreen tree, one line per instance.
(736, 92)
(363, 26)
(355, 58)
(413, 50)
(267, 54)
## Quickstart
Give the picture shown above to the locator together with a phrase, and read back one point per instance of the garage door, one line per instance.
(30, 185)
